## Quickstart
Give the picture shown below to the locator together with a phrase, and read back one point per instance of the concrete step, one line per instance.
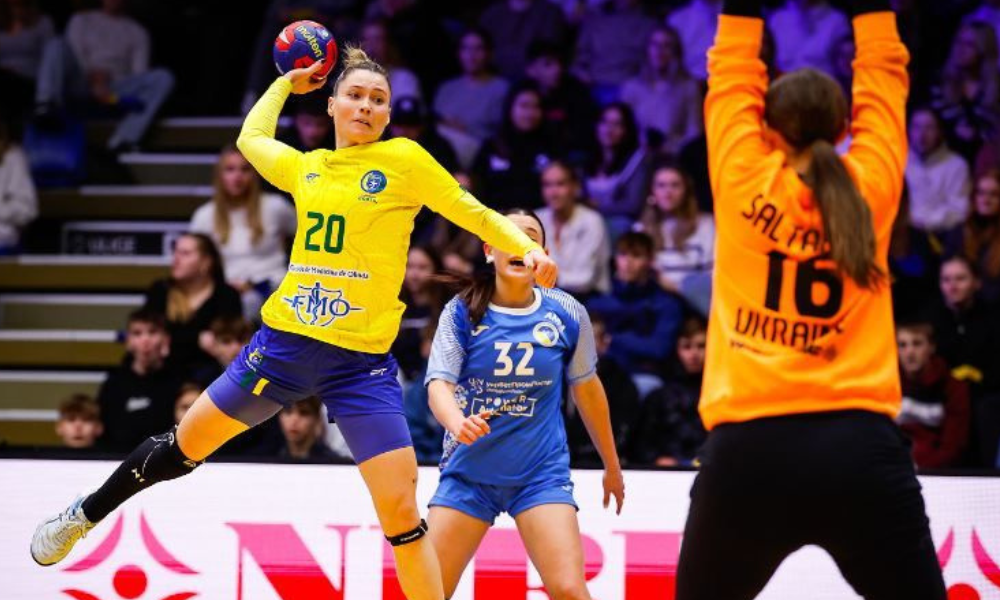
(169, 169)
(67, 311)
(30, 401)
(124, 202)
(56, 272)
(97, 348)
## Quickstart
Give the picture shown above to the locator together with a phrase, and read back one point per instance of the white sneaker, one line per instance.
(55, 537)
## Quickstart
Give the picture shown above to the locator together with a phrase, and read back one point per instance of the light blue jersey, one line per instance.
(516, 363)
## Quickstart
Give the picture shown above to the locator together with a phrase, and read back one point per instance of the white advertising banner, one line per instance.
(308, 532)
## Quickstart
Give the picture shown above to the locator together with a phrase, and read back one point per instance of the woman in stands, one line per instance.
(503, 355)
(801, 383)
(251, 228)
(195, 294)
(683, 237)
(328, 327)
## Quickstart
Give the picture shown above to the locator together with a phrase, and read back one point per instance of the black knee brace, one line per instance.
(410, 536)
(157, 459)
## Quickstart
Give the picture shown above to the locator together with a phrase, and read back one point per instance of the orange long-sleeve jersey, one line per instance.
(788, 334)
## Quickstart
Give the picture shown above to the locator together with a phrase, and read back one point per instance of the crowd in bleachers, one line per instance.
(588, 111)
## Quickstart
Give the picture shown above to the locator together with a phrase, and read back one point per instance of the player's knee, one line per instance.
(398, 510)
(164, 460)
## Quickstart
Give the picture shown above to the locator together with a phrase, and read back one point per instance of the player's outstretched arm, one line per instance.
(275, 161)
(737, 83)
(437, 189)
(592, 402)
(878, 121)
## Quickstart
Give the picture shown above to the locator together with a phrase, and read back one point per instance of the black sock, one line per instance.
(157, 459)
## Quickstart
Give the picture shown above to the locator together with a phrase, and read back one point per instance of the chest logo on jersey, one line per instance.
(546, 334)
(516, 406)
(311, 177)
(319, 306)
(374, 182)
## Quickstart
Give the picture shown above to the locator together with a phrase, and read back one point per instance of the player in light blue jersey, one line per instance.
(505, 354)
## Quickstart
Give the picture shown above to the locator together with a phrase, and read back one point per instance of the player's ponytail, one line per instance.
(809, 110)
(477, 291)
(356, 59)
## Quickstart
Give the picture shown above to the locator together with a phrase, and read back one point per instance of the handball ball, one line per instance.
(301, 44)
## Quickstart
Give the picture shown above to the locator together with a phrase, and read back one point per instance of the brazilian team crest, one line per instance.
(319, 306)
(374, 182)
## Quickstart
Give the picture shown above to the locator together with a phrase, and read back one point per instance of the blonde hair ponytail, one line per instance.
(356, 59)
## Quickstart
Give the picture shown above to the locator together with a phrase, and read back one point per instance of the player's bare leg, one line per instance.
(391, 478)
(455, 536)
(551, 535)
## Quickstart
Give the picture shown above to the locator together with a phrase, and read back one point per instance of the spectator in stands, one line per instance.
(378, 43)
(107, 63)
(696, 22)
(424, 299)
(137, 398)
(623, 402)
(988, 12)
(603, 64)
(410, 120)
(805, 32)
(427, 433)
(978, 239)
(935, 409)
(968, 98)
(568, 108)
(252, 229)
(966, 332)
(914, 263)
(577, 236)
(516, 25)
(938, 179)
(186, 396)
(312, 127)
(473, 102)
(24, 31)
(642, 319)
(666, 100)
(18, 199)
(683, 238)
(302, 426)
(618, 171)
(670, 431)
(417, 31)
(508, 165)
(79, 423)
(223, 341)
(195, 294)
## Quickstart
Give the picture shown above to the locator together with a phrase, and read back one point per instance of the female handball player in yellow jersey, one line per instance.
(801, 377)
(328, 327)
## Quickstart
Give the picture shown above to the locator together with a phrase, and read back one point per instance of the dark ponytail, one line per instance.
(809, 110)
(476, 291)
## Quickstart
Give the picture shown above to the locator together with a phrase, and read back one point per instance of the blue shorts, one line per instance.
(360, 390)
(486, 502)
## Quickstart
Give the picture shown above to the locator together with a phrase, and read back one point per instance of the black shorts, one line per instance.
(843, 481)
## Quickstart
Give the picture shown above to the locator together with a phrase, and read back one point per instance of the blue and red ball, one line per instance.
(301, 44)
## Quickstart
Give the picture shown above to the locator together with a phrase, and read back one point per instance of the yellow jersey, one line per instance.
(787, 333)
(355, 209)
